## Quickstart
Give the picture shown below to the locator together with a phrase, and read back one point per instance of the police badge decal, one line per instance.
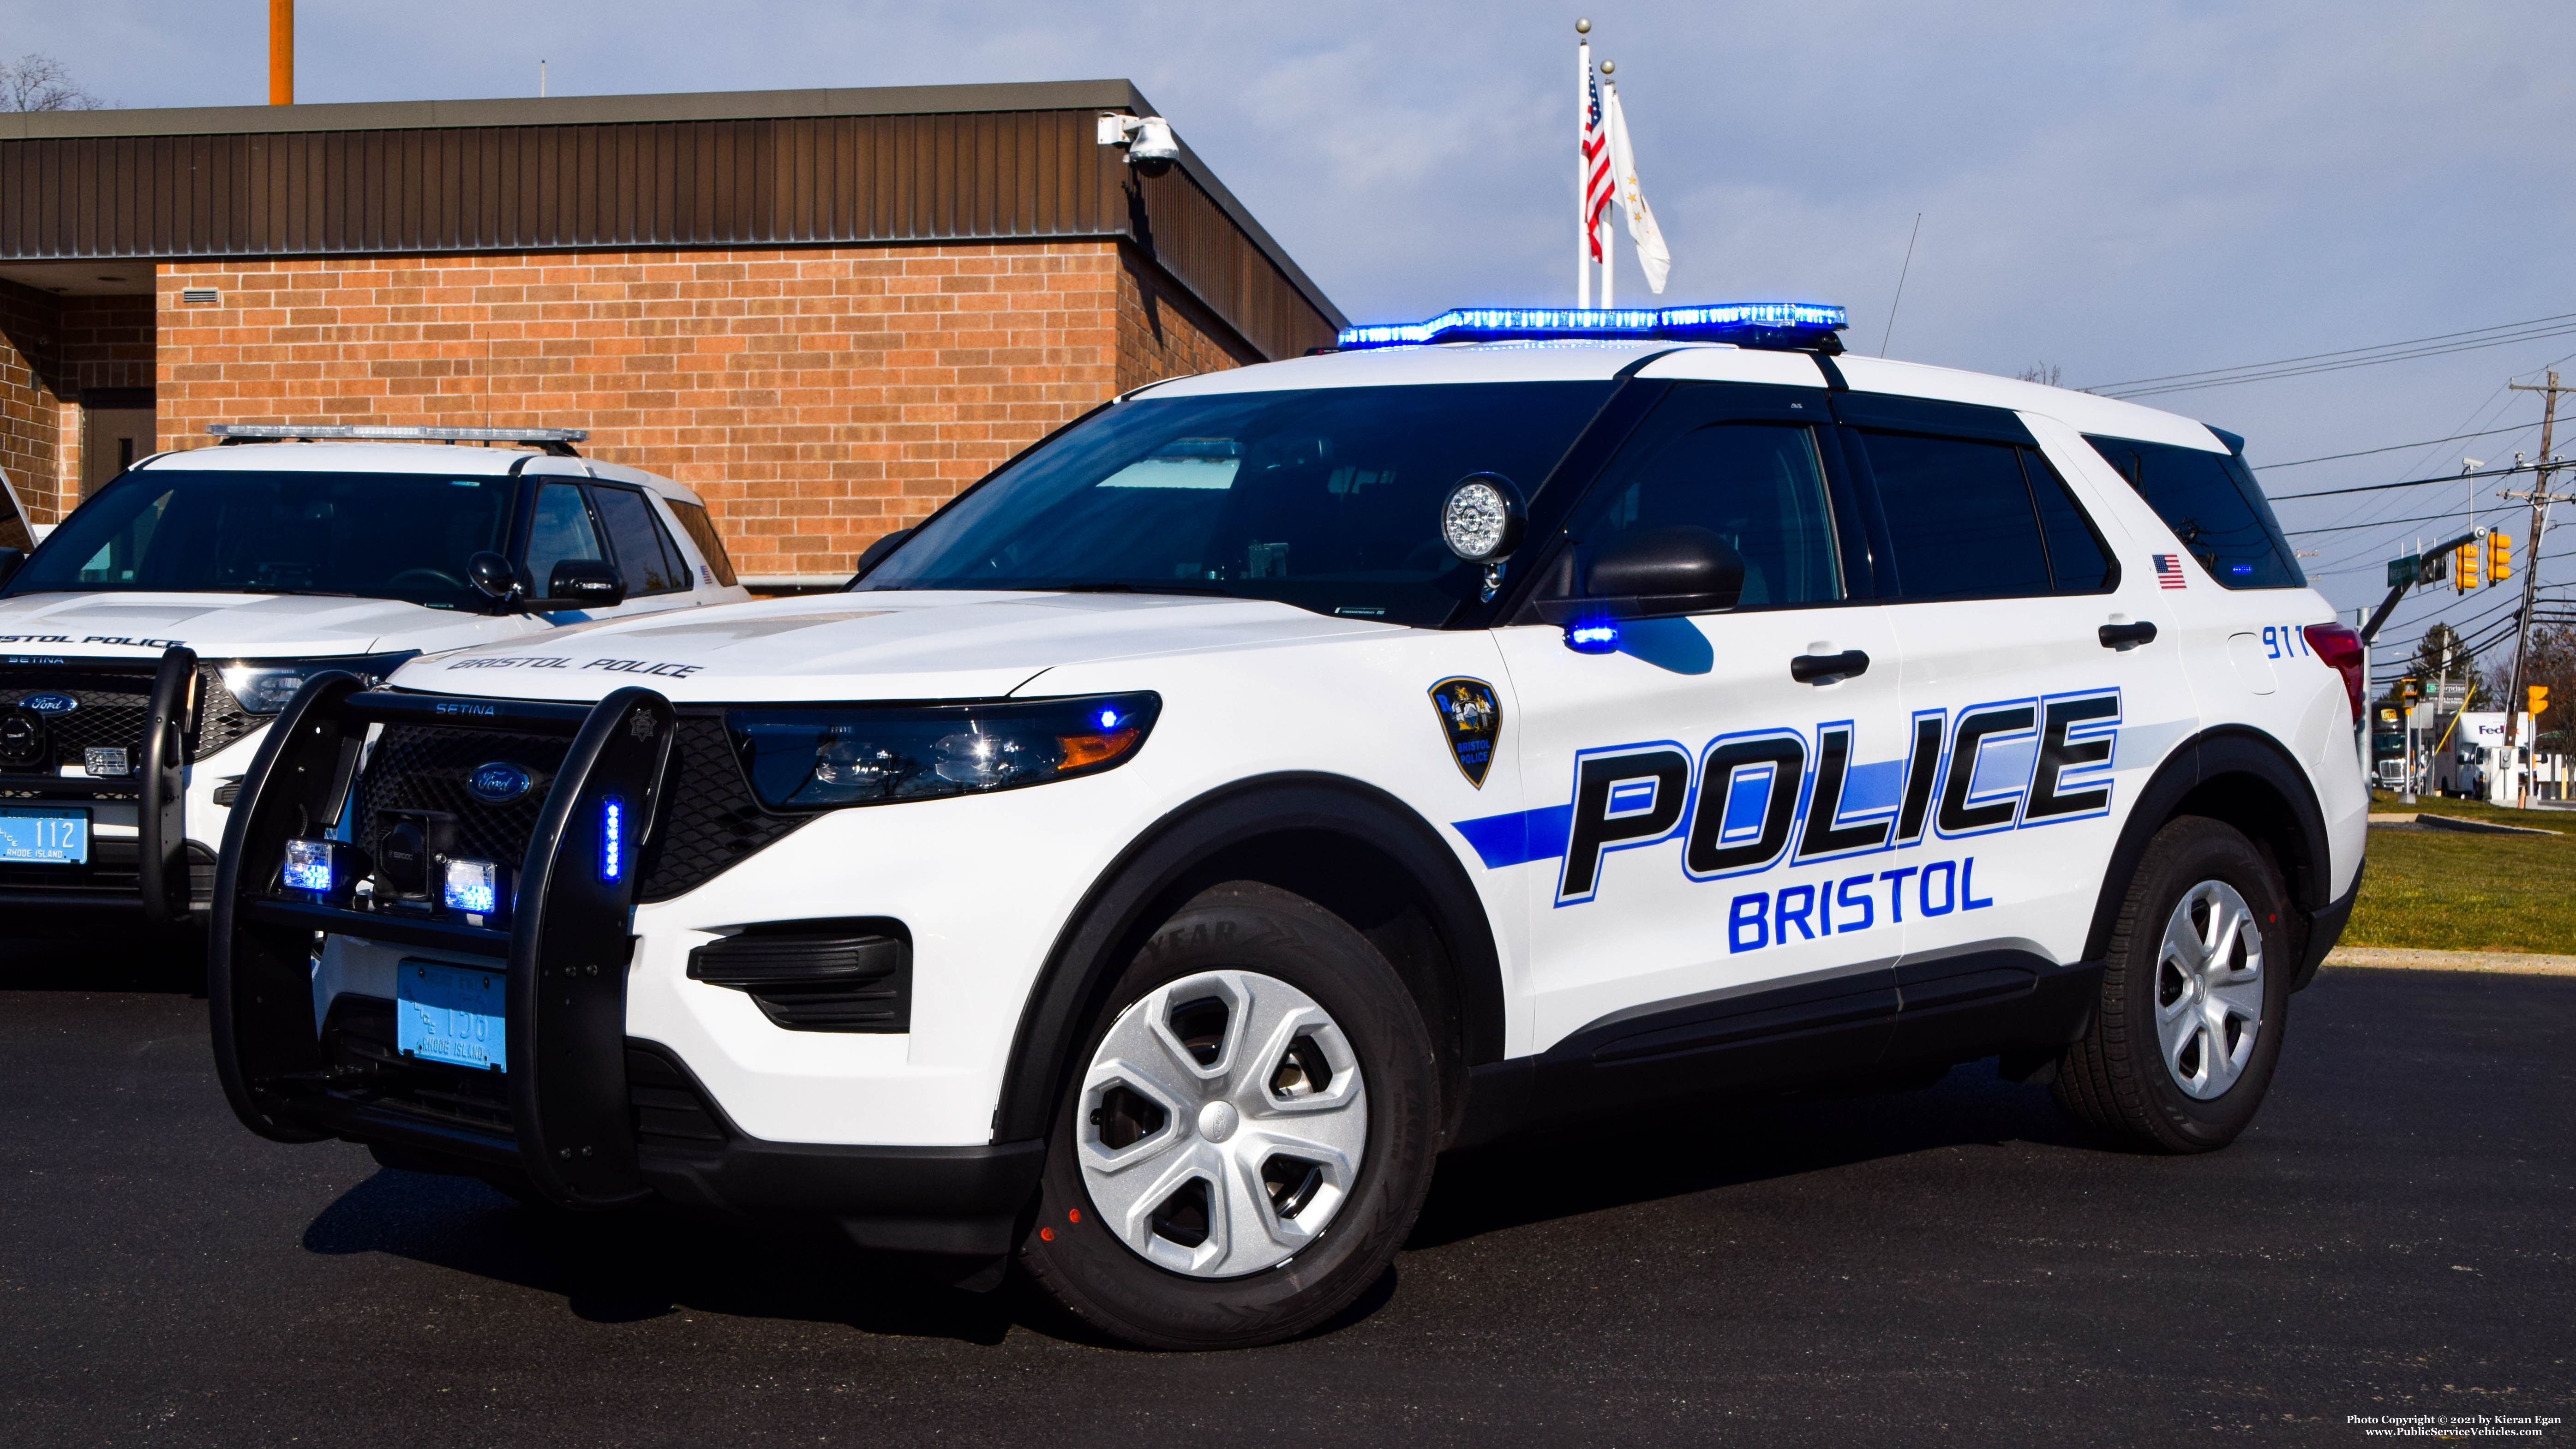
(1473, 721)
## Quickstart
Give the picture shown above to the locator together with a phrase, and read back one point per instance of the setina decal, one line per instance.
(1471, 719)
(1751, 801)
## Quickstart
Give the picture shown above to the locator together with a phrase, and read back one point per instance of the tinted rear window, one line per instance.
(2212, 503)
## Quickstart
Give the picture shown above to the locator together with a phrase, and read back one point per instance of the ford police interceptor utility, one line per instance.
(147, 641)
(1281, 776)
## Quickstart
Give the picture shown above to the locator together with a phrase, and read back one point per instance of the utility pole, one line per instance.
(2540, 500)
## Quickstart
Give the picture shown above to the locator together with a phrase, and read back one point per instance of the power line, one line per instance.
(2397, 447)
(2474, 338)
(2408, 483)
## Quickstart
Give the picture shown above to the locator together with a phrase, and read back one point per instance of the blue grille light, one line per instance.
(472, 886)
(1746, 324)
(309, 866)
(1596, 638)
(1108, 719)
(612, 839)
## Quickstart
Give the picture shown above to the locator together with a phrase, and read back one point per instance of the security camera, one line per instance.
(1151, 147)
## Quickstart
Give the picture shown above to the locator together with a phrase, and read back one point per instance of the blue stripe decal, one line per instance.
(1871, 788)
(1519, 837)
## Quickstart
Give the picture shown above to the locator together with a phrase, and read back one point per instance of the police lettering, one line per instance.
(644, 666)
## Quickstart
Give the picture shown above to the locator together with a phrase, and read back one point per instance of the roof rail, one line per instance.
(558, 441)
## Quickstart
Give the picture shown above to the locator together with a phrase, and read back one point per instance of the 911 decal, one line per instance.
(1750, 801)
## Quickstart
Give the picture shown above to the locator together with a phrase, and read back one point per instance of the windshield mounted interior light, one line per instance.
(1773, 325)
(821, 757)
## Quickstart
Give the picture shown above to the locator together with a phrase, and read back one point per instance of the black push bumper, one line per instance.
(585, 1116)
(159, 873)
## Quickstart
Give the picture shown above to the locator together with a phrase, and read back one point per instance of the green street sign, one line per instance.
(2407, 570)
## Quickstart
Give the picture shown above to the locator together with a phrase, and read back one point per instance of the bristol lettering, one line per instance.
(1750, 801)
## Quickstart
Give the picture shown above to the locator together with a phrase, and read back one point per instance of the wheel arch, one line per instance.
(2245, 779)
(1347, 846)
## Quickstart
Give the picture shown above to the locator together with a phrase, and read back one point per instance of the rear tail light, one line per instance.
(2340, 647)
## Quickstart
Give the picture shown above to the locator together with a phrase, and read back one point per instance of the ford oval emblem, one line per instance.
(49, 704)
(498, 783)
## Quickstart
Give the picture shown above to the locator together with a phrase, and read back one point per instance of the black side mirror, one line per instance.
(1656, 573)
(10, 561)
(586, 583)
(876, 552)
(492, 575)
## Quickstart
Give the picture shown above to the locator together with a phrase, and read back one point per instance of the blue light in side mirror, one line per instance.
(1595, 638)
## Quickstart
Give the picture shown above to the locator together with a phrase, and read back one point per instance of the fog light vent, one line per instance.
(840, 975)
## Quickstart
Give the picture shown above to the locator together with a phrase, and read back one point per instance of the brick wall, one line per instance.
(30, 412)
(816, 398)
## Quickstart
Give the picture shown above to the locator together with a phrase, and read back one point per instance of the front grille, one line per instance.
(710, 820)
(425, 767)
(114, 702)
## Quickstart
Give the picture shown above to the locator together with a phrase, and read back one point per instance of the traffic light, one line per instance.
(2499, 557)
(2464, 567)
(2537, 697)
(2410, 690)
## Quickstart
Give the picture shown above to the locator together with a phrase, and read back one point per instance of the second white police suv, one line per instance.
(1283, 776)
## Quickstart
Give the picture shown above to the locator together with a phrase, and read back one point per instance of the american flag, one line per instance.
(2169, 571)
(1598, 187)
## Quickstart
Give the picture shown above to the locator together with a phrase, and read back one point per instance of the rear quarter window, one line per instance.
(2212, 503)
(702, 532)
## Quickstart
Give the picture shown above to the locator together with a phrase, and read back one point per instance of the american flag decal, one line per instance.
(2169, 571)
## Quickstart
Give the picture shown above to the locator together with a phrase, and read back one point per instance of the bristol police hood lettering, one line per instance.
(1472, 721)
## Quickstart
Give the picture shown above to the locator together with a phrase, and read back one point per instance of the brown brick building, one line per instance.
(827, 311)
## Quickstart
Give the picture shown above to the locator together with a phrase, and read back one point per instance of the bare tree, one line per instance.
(2043, 373)
(42, 83)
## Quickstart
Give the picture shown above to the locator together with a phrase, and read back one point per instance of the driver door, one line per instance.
(1716, 810)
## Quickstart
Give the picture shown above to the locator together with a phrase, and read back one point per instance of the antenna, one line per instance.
(1900, 284)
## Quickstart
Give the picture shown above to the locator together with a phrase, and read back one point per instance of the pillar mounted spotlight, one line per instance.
(1150, 145)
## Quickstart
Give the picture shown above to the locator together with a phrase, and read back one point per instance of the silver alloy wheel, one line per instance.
(1223, 1123)
(2209, 989)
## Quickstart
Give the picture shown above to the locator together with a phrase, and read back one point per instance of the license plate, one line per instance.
(451, 1014)
(44, 837)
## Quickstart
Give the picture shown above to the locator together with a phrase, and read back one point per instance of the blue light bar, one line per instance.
(612, 840)
(1774, 325)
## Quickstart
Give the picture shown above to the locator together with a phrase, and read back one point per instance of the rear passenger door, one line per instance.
(657, 574)
(2001, 586)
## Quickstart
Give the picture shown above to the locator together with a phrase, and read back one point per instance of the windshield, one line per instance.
(1328, 500)
(184, 530)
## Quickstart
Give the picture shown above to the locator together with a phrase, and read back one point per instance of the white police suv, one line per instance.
(1156, 859)
(146, 642)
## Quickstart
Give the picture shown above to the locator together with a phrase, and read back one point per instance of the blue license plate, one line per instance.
(451, 1014)
(32, 836)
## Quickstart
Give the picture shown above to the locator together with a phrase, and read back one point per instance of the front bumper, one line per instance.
(586, 1115)
(185, 715)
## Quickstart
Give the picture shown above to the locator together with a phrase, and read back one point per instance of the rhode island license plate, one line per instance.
(32, 836)
(451, 1014)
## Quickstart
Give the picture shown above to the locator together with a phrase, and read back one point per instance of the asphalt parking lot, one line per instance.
(1944, 1265)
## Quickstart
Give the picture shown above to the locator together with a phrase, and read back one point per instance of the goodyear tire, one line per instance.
(1251, 1134)
(2195, 997)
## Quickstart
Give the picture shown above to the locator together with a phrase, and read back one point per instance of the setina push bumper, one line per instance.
(540, 1087)
(130, 728)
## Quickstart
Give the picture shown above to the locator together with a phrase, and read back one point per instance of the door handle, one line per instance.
(2125, 637)
(1822, 669)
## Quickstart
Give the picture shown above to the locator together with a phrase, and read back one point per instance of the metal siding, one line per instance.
(743, 183)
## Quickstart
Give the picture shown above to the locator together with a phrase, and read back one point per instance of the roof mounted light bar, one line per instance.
(557, 441)
(1771, 325)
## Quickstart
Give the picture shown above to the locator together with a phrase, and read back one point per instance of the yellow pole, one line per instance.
(281, 52)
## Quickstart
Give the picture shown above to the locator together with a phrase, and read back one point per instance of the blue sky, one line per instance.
(2122, 191)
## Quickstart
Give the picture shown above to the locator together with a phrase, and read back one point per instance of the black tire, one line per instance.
(2115, 1079)
(1070, 1251)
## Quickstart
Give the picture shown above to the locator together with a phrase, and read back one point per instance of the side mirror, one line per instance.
(492, 576)
(586, 583)
(10, 561)
(876, 552)
(1655, 573)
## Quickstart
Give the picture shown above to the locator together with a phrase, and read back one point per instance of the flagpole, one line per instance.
(1610, 239)
(1582, 171)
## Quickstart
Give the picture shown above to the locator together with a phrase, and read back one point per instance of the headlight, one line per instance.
(265, 688)
(822, 757)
